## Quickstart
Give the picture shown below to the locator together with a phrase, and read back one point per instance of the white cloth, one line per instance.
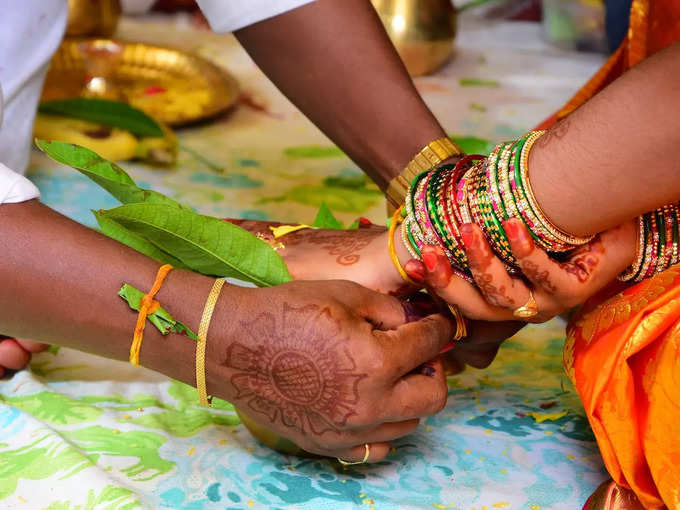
(30, 32)
(230, 15)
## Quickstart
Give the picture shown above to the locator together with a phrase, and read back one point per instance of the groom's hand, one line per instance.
(329, 365)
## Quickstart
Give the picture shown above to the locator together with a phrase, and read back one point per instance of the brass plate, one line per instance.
(172, 86)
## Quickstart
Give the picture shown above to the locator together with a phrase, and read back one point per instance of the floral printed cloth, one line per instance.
(80, 432)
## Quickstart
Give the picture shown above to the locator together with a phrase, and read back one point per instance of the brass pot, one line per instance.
(422, 31)
(92, 17)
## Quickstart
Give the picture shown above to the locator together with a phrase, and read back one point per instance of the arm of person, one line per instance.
(60, 282)
(608, 162)
(334, 61)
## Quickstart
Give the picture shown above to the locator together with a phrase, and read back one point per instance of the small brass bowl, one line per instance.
(92, 17)
(422, 31)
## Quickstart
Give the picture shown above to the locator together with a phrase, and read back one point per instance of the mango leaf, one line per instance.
(206, 245)
(122, 235)
(161, 318)
(108, 175)
(104, 111)
(325, 219)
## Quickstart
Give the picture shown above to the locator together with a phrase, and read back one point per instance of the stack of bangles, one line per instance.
(490, 190)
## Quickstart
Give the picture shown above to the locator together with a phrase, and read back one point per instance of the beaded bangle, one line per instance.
(634, 269)
(559, 235)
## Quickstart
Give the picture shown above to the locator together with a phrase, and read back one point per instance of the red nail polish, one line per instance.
(430, 260)
(511, 228)
(468, 235)
(416, 276)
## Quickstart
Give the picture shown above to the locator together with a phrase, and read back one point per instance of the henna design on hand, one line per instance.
(345, 245)
(297, 370)
(480, 258)
(540, 277)
(584, 260)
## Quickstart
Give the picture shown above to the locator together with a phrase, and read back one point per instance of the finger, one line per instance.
(12, 356)
(497, 286)
(414, 343)
(376, 453)
(418, 394)
(382, 311)
(457, 291)
(582, 274)
(32, 345)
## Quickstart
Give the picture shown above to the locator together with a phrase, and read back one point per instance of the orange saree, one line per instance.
(623, 354)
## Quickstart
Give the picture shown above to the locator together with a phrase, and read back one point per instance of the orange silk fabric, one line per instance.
(623, 355)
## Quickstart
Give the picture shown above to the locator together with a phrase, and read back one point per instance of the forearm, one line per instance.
(60, 282)
(333, 59)
(616, 156)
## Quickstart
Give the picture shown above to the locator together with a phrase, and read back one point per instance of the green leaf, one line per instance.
(122, 235)
(108, 175)
(206, 245)
(104, 111)
(354, 225)
(161, 318)
(325, 219)
(472, 144)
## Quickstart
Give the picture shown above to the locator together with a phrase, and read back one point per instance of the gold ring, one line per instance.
(461, 326)
(367, 453)
(528, 310)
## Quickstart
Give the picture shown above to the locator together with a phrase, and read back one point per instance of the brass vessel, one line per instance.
(422, 31)
(92, 17)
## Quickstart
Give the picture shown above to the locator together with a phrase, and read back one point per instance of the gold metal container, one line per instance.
(422, 31)
(92, 17)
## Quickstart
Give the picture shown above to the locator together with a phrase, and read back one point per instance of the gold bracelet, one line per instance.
(428, 157)
(461, 324)
(396, 219)
(210, 302)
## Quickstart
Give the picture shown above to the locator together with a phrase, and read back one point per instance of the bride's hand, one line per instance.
(556, 286)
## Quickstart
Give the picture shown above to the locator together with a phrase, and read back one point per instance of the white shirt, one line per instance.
(30, 32)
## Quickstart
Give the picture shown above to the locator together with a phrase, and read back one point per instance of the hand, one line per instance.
(329, 365)
(16, 353)
(358, 255)
(556, 286)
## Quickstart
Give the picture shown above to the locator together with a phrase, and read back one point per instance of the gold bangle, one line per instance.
(428, 157)
(396, 219)
(461, 324)
(557, 233)
(631, 271)
(210, 302)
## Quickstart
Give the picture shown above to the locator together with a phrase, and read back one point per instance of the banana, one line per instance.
(110, 143)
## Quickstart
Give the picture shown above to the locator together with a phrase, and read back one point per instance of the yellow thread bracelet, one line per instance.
(210, 302)
(147, 305)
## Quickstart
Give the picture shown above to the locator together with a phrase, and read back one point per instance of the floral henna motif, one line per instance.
(297, 371)
(583, 261)
(538, 276)
(344, 245)
(495, 296)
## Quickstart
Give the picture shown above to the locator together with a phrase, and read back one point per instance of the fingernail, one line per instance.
(518, 235)
(468, 234)
(430, 260)
(414, 272)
